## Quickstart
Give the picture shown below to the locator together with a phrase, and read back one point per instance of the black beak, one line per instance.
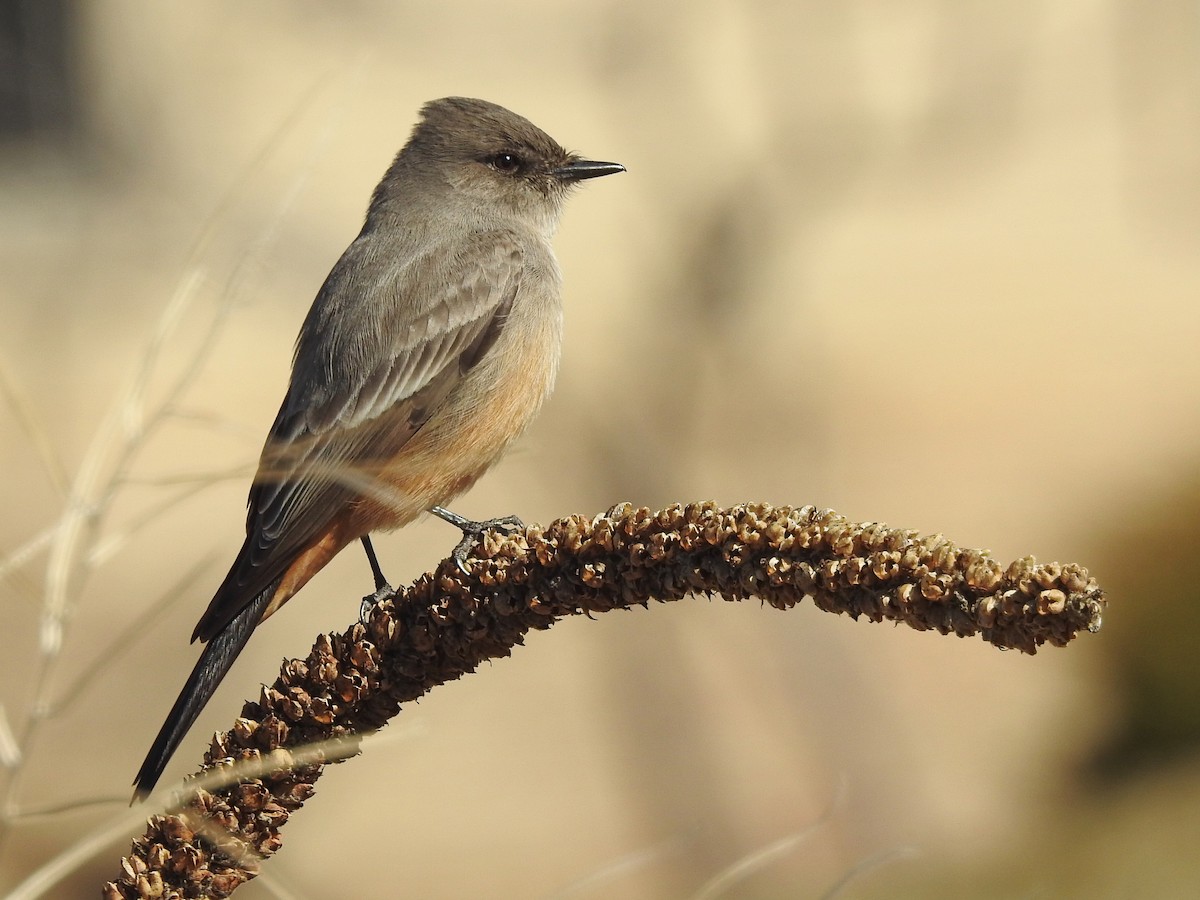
(579, 169)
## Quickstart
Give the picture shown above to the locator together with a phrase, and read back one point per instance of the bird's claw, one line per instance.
(367, 608)
(472, 532)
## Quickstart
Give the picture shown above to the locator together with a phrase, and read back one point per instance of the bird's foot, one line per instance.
(367, 608)
(472, 530)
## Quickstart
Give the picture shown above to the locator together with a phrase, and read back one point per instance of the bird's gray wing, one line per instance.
(381, 349)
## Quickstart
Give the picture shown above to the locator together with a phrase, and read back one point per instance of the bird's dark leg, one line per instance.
(472, 530)
(383, 590)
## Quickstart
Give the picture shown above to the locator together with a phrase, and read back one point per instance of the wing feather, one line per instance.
(368, 348)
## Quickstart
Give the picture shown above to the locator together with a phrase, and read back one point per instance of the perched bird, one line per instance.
(429, 348)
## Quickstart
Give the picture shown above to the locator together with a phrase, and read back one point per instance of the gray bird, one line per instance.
(431, 345)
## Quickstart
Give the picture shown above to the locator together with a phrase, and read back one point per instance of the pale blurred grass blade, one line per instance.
(109, 545)
(870, 864)
(23, 554)
(31, 424)
(10, 751)
(755, 862)
(760, 859)
(600, 882)
(138, 628)
(128, 416)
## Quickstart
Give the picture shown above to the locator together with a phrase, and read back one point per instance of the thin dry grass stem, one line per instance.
(111, 543)
(760, 859)
(867, 866)
(24, 411)
(602, 881)
(109, 654)
(14, 560)
(76, 543)
(131, 422)
(10, 753)
(448, 622)
(242, 472)
(46, 878)
(79, 530)
(20, 585)
(753, 863)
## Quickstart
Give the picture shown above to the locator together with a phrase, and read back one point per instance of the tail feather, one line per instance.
(215, 661)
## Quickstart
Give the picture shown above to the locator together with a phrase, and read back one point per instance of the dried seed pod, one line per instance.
(150, 886)
(1051, 602)
(448, 623)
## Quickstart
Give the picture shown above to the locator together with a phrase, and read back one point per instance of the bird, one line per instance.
(428, 349)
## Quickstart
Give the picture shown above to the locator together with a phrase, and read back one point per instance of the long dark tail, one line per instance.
(218, 655)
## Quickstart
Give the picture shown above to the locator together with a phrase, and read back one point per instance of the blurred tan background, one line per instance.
(935, 264)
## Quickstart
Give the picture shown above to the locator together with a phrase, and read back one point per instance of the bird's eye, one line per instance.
(505, 163)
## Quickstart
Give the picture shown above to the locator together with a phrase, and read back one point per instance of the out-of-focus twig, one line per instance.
(448, 622)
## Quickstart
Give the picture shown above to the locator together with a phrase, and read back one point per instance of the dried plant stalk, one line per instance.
(449, 622)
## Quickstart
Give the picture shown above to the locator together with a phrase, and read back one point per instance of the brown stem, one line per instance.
(449, 622)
